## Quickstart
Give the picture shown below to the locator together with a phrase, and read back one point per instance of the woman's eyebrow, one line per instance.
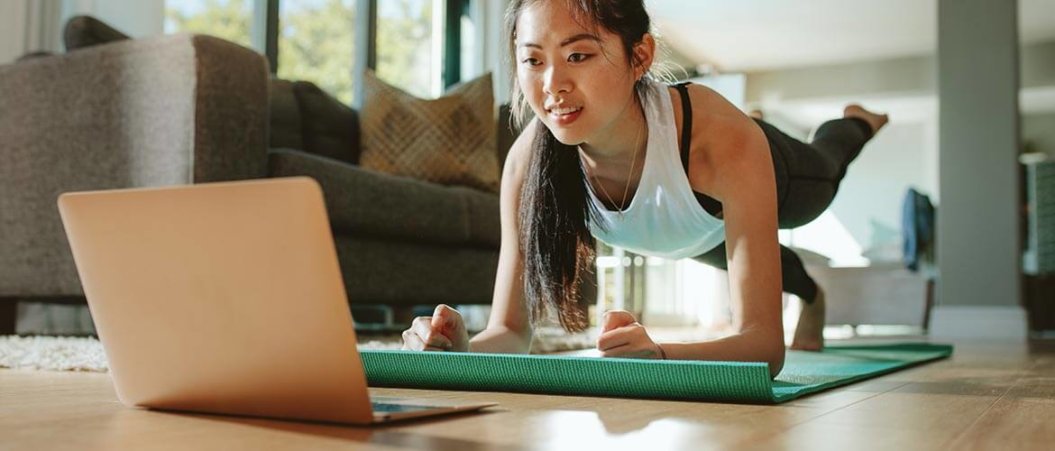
(569, 41)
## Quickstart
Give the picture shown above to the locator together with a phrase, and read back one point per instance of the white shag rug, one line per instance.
(86, 353)
(52, 353)
(78, 353)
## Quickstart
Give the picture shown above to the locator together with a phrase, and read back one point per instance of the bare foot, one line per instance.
(876, 121)
(809, 334)
(757, 114)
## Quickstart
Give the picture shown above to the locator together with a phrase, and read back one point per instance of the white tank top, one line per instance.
(664, 219)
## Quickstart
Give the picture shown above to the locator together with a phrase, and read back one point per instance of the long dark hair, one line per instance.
(555, 239)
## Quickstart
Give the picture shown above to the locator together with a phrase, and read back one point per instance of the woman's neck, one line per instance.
(619, 145)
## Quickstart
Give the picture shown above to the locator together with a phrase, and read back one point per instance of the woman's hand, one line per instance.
(443, 331)
(623, 336)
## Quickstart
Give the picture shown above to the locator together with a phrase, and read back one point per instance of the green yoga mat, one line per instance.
(803, 373)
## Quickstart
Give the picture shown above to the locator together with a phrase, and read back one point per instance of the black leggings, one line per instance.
(808, 177)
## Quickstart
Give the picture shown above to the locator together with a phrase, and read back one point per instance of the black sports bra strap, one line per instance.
(710, 204)
(686, 122)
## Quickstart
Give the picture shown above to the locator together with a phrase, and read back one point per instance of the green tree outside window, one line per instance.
(316, 39)
(404, 45)
(225, 19)
(316, 43)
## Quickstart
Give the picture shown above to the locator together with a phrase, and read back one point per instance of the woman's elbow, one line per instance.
(768, 347)
(773, 353)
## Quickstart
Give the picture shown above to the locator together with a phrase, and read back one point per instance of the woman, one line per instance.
(669, 171)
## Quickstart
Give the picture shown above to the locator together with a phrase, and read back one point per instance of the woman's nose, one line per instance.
(555, 81)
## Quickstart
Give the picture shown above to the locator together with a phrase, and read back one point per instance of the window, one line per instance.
(316, 42)
(407, 52)
(226, 19)
(407, 41)
(470, 64)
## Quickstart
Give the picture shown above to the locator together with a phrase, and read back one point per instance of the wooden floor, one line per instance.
(987, 396)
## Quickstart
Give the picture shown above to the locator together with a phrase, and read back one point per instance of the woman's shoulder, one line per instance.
(720, 133)
(715, 120)
(519, 156)
(709, 108)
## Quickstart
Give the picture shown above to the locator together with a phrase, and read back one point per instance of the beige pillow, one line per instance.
(449, 140)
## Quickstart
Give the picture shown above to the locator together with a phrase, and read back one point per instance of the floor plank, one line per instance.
(987, 395)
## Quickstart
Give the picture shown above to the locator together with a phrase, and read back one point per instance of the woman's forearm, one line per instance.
(743, 347)
(500, 340)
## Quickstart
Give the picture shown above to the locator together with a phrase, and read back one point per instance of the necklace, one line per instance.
(626, 189)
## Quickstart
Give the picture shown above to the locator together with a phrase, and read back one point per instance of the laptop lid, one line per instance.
(222, 298)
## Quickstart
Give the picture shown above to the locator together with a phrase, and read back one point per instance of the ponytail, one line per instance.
(555, 239)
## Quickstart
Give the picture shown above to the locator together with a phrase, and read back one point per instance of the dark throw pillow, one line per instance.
(331, 128)
(86, 31)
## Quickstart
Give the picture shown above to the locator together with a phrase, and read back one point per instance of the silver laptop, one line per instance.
(226, 298)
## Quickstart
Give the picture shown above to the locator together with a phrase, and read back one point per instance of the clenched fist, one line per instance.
(623, 336)
(443, 331)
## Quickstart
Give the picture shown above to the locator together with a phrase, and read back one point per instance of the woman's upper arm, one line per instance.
(745, 183)
(507, 306)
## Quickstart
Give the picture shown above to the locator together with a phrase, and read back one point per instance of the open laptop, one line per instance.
(225, 298)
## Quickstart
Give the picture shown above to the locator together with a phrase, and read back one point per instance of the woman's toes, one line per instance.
(874, 120)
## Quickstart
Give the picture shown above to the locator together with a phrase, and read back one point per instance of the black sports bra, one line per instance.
(710, 204)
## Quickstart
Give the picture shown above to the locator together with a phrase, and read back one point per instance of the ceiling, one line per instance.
(766, 35)
(758, 35)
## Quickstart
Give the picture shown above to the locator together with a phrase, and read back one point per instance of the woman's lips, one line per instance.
(565, 116)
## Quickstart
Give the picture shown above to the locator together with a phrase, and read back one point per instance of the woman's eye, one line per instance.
(578, 57)
(531, 61)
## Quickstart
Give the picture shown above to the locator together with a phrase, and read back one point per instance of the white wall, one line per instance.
(12, 30)
(36, 25)
(870, 198)
(867, 207)
(1038, 133)
(866, 214)
(906, 152)
(28, 26)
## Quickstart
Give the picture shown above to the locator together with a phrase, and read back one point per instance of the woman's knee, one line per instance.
(806, 200)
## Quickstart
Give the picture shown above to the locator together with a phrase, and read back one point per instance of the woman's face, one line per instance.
(578, 81)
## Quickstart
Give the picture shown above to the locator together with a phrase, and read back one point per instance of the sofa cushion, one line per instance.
(285, 120)
(401, 273)
(450, 140)
(86, 31)
(330, 128)
(371, 203)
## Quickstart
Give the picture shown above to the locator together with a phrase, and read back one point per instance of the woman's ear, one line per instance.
(644, 55)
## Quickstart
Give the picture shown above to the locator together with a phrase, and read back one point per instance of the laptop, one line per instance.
(226, 298)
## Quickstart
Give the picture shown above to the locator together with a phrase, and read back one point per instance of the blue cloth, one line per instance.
(917, 227)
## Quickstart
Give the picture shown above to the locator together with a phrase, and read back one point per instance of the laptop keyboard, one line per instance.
(380, 407)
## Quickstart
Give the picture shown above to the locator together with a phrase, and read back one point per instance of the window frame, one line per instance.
(264, 32)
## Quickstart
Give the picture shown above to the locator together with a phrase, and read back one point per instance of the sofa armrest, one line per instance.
(155, 111)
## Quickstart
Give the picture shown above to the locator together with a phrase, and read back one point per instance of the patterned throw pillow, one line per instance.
(449, 140)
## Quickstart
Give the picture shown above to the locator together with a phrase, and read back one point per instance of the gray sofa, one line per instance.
(184, 109)
(401, 241)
